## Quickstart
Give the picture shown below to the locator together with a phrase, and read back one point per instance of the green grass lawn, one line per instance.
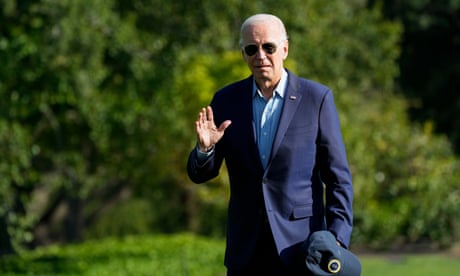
(411, 265)
(184, 254)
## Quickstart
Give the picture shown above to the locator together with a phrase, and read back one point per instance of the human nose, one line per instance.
(260, 54)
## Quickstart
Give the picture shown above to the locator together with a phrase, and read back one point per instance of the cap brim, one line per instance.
(351, 266)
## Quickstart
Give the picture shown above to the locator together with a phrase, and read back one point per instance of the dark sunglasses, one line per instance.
(252, 49)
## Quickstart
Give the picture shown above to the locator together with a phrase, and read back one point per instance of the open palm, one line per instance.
(207, 132)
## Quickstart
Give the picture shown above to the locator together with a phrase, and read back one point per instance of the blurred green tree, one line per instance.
(430, 60)
(60, 115)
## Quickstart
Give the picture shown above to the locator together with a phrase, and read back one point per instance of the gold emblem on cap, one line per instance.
(334, 266)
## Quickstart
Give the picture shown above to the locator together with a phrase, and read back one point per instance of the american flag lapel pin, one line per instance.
(292, 97)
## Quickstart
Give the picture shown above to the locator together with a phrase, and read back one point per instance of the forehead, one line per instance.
(261, 32)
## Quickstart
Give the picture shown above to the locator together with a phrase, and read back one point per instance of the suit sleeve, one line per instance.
(335, 172)
(199, 170)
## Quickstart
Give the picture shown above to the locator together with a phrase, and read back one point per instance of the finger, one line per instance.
(202, 115)
(224, 125)
(210, 115)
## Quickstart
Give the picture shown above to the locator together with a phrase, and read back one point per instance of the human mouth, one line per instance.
(262, 66)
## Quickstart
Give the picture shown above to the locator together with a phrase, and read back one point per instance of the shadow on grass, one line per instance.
(59, 264)
(39, 265)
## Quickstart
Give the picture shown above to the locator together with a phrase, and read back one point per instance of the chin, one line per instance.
(262, 73)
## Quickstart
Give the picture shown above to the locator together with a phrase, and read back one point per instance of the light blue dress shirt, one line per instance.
(266, 116)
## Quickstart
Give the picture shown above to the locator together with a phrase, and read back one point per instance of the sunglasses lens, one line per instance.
(269, 48)
(251, 50)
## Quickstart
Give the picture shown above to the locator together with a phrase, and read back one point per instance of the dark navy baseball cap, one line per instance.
(325, 257)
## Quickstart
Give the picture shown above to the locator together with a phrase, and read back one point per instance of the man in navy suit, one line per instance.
(281, 140)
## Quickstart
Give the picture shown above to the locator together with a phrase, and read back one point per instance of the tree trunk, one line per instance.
(5, 239)
(74, 221)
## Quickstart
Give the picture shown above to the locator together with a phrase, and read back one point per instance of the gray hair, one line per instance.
(263, 17)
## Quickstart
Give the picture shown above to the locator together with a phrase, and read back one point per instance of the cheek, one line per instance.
(247, 59)
(278, 61)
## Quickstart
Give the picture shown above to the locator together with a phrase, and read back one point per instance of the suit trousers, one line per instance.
(265, 259)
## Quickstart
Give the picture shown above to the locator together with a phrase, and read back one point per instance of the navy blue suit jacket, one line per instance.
(307, 152)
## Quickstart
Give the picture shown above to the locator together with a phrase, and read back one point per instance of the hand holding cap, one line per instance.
(325, 257)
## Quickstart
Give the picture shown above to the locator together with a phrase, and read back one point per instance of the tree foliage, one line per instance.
(99, 100)
(430, 60)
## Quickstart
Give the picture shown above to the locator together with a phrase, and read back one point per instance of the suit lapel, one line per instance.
(291, 102)
(248, 109)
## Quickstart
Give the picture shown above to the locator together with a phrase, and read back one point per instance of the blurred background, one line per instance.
(98, 100)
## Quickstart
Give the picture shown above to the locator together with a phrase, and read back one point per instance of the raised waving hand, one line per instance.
(207, 132)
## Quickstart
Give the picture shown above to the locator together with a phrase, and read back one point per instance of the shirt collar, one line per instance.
(280, 88)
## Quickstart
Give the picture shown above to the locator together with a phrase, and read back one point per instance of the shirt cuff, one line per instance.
(202, 156)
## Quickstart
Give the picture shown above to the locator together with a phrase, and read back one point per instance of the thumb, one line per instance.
(224, 125)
